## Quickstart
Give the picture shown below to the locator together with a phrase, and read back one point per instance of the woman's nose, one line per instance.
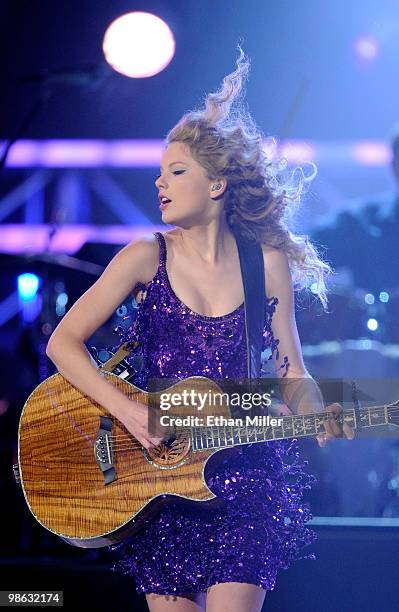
(159, 183)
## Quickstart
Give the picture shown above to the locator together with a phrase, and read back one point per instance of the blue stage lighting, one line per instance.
(28, 285)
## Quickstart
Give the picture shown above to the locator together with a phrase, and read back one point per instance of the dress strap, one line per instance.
(162, 249)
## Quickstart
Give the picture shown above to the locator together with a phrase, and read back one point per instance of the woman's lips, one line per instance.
(164, 205)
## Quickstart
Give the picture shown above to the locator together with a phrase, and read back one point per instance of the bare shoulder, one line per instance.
(142, 254)
(274, 259)
(277, 271)
(136, 262)
(268, 249)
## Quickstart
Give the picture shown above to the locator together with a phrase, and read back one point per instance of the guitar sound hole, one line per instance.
(170, 452)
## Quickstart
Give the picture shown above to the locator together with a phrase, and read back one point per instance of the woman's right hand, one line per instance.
(135, 417)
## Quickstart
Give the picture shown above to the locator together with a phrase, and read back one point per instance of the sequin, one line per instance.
(261, 527)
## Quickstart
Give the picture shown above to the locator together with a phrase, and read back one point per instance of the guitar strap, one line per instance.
(253, 277)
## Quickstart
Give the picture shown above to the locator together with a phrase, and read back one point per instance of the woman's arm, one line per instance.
(136, 262)
(299, 390)
(278, 283)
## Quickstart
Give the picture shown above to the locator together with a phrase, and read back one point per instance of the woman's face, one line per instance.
(184, 182)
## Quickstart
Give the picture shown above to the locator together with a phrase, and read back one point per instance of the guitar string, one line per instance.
(286, 420)
(215, 428)
(127, 444)
(122, 442)
(134, 443)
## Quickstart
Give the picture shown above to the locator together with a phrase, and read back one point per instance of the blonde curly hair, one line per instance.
(260, 198)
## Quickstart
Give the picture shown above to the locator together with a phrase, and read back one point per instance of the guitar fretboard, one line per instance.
(293, 426)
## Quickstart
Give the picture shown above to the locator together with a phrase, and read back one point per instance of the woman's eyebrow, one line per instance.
(173, 163)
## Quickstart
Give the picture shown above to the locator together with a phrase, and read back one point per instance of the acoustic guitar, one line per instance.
(89, 481)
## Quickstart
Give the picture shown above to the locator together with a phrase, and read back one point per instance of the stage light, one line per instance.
(138, 44)
(30, 301)
(384, 297)
(372, 324)
(370, 153)
(369, 298)
(28, 285)
(367, 47)
(62, 299)
(61, 302)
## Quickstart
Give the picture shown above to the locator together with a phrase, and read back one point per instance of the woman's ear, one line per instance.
(218, 187)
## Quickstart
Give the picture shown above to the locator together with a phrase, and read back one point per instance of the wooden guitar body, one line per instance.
(87, 479)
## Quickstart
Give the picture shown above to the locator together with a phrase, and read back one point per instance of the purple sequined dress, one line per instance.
(262, 525)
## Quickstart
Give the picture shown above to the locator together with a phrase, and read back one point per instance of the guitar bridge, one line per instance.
(103, 451)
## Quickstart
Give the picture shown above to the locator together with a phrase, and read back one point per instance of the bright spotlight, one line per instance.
(367, 47)
(372, 324)
(138, 44)
(28, 285)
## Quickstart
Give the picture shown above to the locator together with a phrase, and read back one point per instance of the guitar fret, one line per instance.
(288, 427)
(204, 441)
(291, 427)
(210, 442)
(298, 428)
(278, 432)
(196, 438)
(309, 423)
(319, 424)
(377, 416)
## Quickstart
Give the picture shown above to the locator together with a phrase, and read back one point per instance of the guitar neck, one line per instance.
(257, 429)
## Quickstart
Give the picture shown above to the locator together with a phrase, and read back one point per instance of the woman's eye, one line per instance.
(175, 172)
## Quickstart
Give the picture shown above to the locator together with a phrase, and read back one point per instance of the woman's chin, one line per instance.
(167, 214)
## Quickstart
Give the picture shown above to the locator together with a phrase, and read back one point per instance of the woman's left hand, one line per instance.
(332, 427)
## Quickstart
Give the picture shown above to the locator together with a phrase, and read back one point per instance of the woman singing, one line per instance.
(190, 321)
